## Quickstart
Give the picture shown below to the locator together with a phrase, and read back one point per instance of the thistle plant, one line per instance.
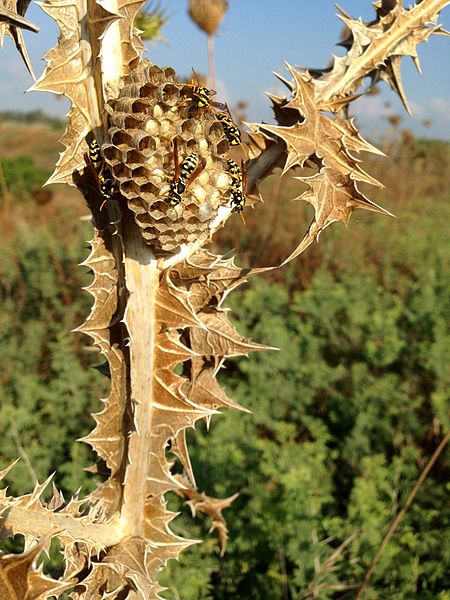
(157, 316)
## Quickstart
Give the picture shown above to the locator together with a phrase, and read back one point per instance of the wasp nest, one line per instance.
(152, 116)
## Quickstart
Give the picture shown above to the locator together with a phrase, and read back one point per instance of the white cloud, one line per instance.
(372, 107)
(439, 106)
(372, 114)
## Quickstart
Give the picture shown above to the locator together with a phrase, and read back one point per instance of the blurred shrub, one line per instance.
(32, 116)
(22, 176)
(344, 418)
(46, 388)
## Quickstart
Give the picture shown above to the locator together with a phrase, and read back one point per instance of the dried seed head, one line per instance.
(208, 14)
(149, 114)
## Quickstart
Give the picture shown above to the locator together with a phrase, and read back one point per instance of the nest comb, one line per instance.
(151, 112)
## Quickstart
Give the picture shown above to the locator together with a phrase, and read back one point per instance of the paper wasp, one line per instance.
(184, 174)
(102, 174)
(200, 95)
(230, 130)
(237, 187)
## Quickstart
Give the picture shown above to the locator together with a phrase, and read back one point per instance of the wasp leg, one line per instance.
(218, 107)
(244, 176)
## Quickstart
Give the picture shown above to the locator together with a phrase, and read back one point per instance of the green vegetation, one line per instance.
(46, 389)
(22, 176)
(344, 418)
(33, 116)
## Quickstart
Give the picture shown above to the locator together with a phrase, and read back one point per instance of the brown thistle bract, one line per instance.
(157, 292)
(208, 14)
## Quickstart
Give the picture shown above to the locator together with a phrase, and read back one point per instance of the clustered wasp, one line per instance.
(185, 173)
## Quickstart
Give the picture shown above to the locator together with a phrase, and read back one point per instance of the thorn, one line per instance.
(416, 62)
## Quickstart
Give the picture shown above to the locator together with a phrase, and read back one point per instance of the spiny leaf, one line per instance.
(106, 439)
(173, 306)
(334, 198)
(107, 436)
(132, 46)
(219, 338)
(207, 276)
(70, 71)
(12, 22)
(206, 391)
(180, 449)
(376, 47)
(103, 288)
(11, 14)
(20, 580)
(171, 351)
(213, 507)
(331, 140)
(328, 142)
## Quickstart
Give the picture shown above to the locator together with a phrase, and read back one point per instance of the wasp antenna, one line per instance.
(228, 111)
(241, 214)
(176, 159)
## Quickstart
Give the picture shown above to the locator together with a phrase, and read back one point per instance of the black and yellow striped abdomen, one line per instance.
(95, 156)
(105, 180)
(235, 172)
(200, 95)
(237, 196)
(188, 166)
(230, 130)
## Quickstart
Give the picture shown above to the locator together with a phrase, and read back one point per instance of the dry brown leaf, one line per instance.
(12, 22)
(71, 65)
(331, 140)
(132, 45)
(20, 580)
(208, 278)
(218, 338)
(180, 449)
(373, 50)
(377, 47)
(206, 391)
(213, 507)
(77, 520)
(107, 437)
(11, 13)
(173, 306)
(171, 351)
(334, 198)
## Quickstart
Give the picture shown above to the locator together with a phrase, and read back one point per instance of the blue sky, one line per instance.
(256, 37)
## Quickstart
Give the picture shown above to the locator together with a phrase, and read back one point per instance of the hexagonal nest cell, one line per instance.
(152, 114)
